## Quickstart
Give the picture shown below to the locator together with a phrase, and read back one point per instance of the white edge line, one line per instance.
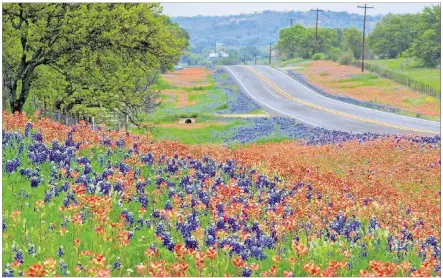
(244, 87)
(345, 103)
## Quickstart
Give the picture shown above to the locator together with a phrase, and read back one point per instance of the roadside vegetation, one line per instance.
(365, 89)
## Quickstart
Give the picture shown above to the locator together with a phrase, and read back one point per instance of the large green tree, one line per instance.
(298, 41)
(393, 35)
(102, 51)
(427, 46)
(352, 41)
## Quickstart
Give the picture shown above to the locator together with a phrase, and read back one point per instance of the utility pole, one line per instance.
(363, 45)
(291, 19)
(270, 52)
(316, 28)
(215, 50)
(255, 58)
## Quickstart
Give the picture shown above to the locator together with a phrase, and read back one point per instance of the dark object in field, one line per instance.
(188, 121)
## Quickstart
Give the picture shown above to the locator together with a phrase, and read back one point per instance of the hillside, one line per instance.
(260, 29)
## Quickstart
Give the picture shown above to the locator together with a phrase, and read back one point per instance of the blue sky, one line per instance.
(193, 9)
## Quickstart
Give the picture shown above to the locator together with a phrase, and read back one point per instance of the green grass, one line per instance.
(204, 96)
(292, 61)
(163, 118)
(421, 100)
(162, 84)
(198, 88)
(194, 136)
(364, 79)
(429, 76)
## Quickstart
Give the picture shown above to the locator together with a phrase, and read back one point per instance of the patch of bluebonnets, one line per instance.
(254, 129)
(237, 101)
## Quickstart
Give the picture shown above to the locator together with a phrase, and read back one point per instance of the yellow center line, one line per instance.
(321, 108)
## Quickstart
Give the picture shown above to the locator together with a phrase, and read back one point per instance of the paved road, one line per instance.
(281, 95)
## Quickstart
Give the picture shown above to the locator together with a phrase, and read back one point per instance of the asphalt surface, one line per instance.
(280, 95)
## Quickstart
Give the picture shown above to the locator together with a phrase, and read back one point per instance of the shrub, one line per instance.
(414, 63)
(346, 58)
(334, 53)
(319, 56)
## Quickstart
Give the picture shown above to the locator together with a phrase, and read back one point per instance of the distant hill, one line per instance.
(259, 29)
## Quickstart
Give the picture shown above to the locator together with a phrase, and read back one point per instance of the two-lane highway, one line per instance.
(281, 95)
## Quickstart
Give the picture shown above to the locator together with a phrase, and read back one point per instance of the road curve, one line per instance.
(281, 95)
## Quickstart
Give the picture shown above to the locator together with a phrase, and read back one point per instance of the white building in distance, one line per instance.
(216, 55)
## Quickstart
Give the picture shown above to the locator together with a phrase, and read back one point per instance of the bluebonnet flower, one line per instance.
(21, 147)
(83, 160)
(143, 200)
(38, 153)
(63, 267)
(38, 137)
(32, 250)
(147, 159)
(28, 129)
(120, 143)
(19, 256)
(12, 165)
(87, 169)
(107, 142)
(246, 272)
(168, 205)
(60, 252)
(117, 263)
(8, 272)
(373, 225)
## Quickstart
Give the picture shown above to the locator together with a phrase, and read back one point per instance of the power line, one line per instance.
(316, 27)
(364, 29)
(270, 52)
(291, 19)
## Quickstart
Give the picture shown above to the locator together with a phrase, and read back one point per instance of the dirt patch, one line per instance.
(327, 75)
(188, 77)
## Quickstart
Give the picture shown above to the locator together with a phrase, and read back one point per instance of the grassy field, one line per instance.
(429, 76)
(199, 98)
(203, 134)
(291, 62)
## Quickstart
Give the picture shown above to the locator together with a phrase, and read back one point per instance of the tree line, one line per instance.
(88, 59)
(409, 35)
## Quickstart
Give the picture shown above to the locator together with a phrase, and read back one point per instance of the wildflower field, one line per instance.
(83, 202)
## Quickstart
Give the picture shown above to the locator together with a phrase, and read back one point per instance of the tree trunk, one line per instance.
(17, 104)
(126, 123)
(11, 87)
